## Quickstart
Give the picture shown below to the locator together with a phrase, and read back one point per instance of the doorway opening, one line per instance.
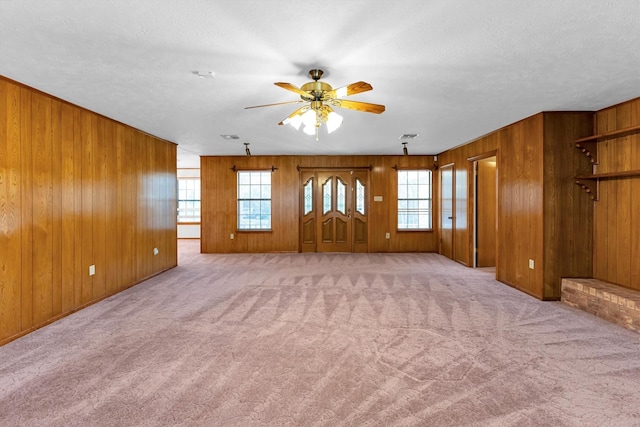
(485, 212)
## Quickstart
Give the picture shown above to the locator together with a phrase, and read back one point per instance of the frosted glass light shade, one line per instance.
(295, 121)
(309, 118)
(333, 122)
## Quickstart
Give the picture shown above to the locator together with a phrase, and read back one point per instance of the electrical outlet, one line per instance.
(387, 236)
(231, 236)
(156, 251)
(531, 264)
(92, 270)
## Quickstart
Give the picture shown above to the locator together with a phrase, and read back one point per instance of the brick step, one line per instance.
(611, 302)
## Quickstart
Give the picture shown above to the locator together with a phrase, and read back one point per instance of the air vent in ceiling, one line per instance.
(229, 137)
(409, 136)
(204, 74)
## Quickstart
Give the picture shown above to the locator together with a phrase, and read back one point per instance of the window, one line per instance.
(254, 200)
(414, 200)
(189, 200)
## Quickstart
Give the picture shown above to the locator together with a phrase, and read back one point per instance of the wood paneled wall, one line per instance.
(76, 189)
(542, 215)
(458, 157)
(520, 205)
(567, 212)
(219, 204)
(616, 249)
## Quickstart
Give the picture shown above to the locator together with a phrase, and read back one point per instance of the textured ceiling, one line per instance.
(449, 70)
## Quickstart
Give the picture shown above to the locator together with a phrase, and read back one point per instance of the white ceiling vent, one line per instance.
(409, 136)
(230, 137)
(204, 74)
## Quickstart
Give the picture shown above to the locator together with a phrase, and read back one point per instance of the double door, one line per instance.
(334, 209)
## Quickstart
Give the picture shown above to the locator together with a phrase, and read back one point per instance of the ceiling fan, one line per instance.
(319, 97)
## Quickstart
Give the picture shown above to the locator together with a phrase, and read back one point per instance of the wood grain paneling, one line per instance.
(567, 208)
(83, 132)
(10, 206)
(617, 212)
(110, 205)
(42, 192)
(634, 280)
(219, 203)
(536, 162)
(26, 210)
(99, 184)
(532, 135)
(68, 200)
(56, 163)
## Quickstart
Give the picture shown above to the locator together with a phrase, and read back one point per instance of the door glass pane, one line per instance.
(341, 196)
(446, 202)
(308, 196)
(326, 196)
(359, 197)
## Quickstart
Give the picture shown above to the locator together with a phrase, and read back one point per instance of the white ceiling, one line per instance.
(449, 70)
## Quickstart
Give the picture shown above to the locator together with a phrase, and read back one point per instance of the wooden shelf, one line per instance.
(606, 175)
(609, 135)
(591, 183)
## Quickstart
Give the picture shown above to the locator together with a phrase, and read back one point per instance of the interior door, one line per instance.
(334, 191)
(460, 215)
(360, 207)
(334, 207)
(446, 211)
(308, 222)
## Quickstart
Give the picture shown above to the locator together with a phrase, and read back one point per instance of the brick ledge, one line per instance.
(611, 302)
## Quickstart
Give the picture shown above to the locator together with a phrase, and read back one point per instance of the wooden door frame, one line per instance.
(473, 203)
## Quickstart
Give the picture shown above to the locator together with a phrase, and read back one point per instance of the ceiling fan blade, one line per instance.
(277, 103)
(360, 106)
(352, 89)
(292, 88)
(298, 111)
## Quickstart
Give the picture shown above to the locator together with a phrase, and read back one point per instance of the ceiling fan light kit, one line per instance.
(320, 97)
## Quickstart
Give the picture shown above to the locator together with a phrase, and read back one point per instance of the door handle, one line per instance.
(450, 217)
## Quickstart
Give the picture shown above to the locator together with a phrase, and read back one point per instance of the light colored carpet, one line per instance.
(322, 340)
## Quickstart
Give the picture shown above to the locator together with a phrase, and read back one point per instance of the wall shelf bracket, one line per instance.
(590, 149)
(590, 186)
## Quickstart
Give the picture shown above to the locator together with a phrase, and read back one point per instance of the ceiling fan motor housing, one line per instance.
(316, 89)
